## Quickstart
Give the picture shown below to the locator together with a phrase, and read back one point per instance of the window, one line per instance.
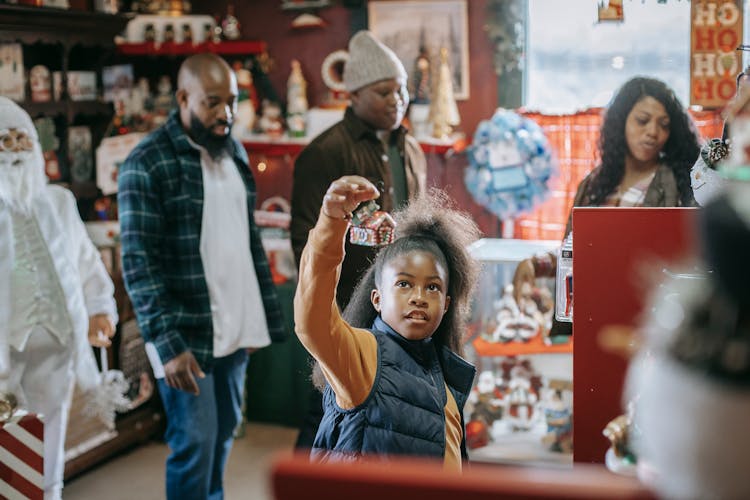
(573, 62)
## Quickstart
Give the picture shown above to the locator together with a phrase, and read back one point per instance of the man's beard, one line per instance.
(216, 145)
(21, 179)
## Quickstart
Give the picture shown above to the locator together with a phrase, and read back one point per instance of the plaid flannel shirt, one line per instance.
(160, 200)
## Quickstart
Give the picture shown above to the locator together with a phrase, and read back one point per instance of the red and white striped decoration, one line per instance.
(22, 457)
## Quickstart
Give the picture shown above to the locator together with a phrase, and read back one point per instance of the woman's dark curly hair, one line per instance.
(429, 223)
(680, 150)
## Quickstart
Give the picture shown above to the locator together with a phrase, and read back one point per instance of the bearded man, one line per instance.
(196, 271)
(56, 297)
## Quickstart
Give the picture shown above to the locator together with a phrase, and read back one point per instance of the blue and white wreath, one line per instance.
(510, 162)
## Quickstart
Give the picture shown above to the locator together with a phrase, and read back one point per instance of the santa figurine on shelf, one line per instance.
(56, 298)
(486, 399)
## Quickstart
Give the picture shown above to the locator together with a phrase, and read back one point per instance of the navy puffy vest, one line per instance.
(404, 412)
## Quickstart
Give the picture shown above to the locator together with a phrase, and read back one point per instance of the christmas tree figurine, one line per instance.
(296, 105)
(443, 110)
(421, 81)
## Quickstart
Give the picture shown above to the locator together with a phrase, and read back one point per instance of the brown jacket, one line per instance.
(350, 147)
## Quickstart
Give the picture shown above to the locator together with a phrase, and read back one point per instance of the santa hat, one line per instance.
(370, 61)
(13, 116)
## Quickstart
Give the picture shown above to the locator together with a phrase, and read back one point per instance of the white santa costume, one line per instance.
(52, 280)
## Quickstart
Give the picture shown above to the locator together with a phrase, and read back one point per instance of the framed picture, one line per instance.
(117, 82)
(411, 27)
(110, 154)
(12, 83)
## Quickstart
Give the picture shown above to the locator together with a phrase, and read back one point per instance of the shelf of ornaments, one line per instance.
(535, 345)
(282, 145)
(52, 108)
(225, 48)
(84, 190)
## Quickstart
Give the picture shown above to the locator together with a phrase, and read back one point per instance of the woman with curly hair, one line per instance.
(647, 147)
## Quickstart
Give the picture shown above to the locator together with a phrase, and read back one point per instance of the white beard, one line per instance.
(21, 179)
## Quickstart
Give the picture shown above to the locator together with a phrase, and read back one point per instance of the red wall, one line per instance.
(266, 20)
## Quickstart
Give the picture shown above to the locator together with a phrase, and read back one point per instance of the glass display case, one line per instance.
(520, 408)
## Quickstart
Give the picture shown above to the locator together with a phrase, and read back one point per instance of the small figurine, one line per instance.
(187, 33)
(520, 402)
(620, 457)
(80, 153)
(296, 106)
(487, 399)
(139, 96)
(558, 415)
(164, 101)
(245, 106)
(216, 33)
(704, 179)
(168, 33)
(443, 110)
(149, 33)
(513, 323)
(208, 32)
(40, 83)
(270, 121)
(421, 84)
(230, 26)
(49, 142)
(612, 11)
(372, 227)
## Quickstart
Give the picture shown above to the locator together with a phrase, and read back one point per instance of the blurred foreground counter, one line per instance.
(294, 477)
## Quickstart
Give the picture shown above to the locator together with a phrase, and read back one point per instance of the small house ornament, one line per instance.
(372, 227)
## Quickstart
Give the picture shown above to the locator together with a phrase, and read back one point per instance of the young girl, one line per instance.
(395, 383)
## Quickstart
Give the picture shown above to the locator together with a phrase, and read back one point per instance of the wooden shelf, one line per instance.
(84, 190)
(71, 108)
(268, 146)
(50, 25)
(535, 345)
(281, 146)
(304, 5)
(50, 108)
(91, 107)
(228, 47)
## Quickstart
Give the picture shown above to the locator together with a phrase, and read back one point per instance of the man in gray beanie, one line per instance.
(370, 142)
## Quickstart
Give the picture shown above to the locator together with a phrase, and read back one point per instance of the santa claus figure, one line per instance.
(55, 293)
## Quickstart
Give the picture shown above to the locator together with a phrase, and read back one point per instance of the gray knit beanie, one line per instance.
(370, 61)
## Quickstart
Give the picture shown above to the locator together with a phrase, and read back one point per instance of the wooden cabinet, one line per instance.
(153, 61)
(65, 41)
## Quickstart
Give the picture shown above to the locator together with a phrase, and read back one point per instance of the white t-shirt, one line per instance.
(238, 315)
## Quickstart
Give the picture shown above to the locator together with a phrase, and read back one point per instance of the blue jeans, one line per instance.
(199, 429)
